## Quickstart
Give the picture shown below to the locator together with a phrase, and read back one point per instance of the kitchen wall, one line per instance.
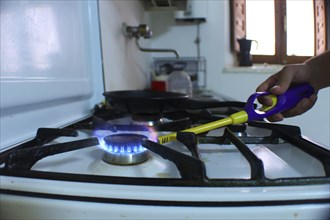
(126, 67)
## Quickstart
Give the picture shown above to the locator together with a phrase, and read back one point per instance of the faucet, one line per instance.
(143, 31)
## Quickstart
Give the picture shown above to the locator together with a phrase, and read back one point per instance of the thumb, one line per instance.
(284, 80)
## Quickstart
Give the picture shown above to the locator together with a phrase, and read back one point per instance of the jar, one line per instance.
(179, 81)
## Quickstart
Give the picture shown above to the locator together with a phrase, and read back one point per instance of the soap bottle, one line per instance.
(179, 81)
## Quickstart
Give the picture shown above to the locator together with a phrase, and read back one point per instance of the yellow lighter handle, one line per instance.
(236, 118)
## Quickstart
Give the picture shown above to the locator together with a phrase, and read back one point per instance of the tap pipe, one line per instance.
(156, 50)
(143, 31)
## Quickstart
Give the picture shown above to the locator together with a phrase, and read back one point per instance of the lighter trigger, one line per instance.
(265, 108)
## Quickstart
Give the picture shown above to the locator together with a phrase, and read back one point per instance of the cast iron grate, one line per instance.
(190, 167)
(194, 168)
(26, 155)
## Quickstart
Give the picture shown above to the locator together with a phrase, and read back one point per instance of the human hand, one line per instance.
(278, 83)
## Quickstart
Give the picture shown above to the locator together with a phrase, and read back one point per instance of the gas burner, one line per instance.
(147, 119)
(239, 129)
(125, 149)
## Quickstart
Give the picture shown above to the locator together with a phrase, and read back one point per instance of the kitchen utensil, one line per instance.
(280, 103)
(157, 102)
(160, 79)
(179, 81)
(245, 58)
(194, 66)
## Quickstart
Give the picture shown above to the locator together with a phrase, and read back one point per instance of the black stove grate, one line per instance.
(19, 160)
(195, 169)
(26, 155)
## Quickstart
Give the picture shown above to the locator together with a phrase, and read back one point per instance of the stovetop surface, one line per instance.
(281, 160)
(254, 154)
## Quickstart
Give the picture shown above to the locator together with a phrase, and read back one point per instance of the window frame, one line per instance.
(238, 30)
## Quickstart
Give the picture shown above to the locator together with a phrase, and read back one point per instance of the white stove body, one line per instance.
(51, 76)
(78, 200)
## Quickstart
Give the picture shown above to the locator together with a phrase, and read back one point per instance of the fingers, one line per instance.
(277, 84)
(275, 118)
(284, 79)
(265, 87)
(302, 107)
(267, 84)
(265, 100)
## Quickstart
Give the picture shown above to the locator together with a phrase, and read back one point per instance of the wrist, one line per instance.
(318, 69)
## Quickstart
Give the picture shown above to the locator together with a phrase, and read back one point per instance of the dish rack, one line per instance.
(194, 66)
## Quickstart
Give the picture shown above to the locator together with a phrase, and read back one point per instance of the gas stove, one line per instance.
(113, 159)
(252, 154)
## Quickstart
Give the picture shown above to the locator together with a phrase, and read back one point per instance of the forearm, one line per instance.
(319, 68)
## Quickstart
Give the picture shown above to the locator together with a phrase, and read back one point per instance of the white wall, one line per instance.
(125, 66)
(215, 46)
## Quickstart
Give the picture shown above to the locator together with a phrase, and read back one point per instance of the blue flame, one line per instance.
(122, 148)
(125, 149)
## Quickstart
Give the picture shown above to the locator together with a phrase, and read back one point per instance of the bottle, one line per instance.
(179, 81)
(159, 83)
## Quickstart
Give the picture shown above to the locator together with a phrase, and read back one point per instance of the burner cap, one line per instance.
(125, 149)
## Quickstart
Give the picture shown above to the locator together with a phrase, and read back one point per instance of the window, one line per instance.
(286, 31)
